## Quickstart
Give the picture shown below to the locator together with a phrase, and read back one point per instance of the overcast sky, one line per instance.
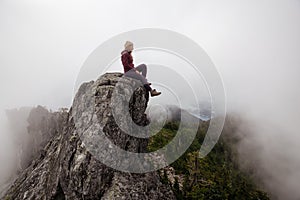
(254, 44)
(44, 43)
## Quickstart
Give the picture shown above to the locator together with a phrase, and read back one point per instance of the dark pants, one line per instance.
(141, 68)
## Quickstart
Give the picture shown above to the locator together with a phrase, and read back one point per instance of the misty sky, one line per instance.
(254, 44)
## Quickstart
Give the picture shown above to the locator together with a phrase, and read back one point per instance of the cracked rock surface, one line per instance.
(67, 170)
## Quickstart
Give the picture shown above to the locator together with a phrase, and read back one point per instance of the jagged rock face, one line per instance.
(43, 125)
(30, 129)
(67, 170)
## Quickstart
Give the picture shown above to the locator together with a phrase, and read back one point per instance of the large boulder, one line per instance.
(68, 170)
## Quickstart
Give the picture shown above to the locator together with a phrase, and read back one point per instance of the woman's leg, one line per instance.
(142, 68)
(133, 74)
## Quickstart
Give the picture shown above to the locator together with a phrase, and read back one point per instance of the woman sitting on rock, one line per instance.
(134, 72)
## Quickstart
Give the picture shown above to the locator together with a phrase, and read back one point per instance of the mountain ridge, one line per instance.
(66, 170)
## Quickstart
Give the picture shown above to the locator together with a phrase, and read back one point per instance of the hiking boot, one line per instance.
(154, 93)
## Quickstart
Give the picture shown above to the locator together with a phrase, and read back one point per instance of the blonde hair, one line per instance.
(127, 45)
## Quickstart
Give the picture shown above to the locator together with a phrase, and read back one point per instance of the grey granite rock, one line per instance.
(67, 170)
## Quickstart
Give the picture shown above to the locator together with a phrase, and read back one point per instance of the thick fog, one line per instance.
(255, 45)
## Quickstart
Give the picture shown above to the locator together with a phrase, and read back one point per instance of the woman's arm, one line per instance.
(126, 62)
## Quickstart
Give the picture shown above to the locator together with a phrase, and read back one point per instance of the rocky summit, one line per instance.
(68, 170)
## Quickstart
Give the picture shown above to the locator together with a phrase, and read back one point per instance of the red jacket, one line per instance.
(127, 61)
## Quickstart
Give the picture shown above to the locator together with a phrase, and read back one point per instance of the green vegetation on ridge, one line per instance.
(216, 176)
